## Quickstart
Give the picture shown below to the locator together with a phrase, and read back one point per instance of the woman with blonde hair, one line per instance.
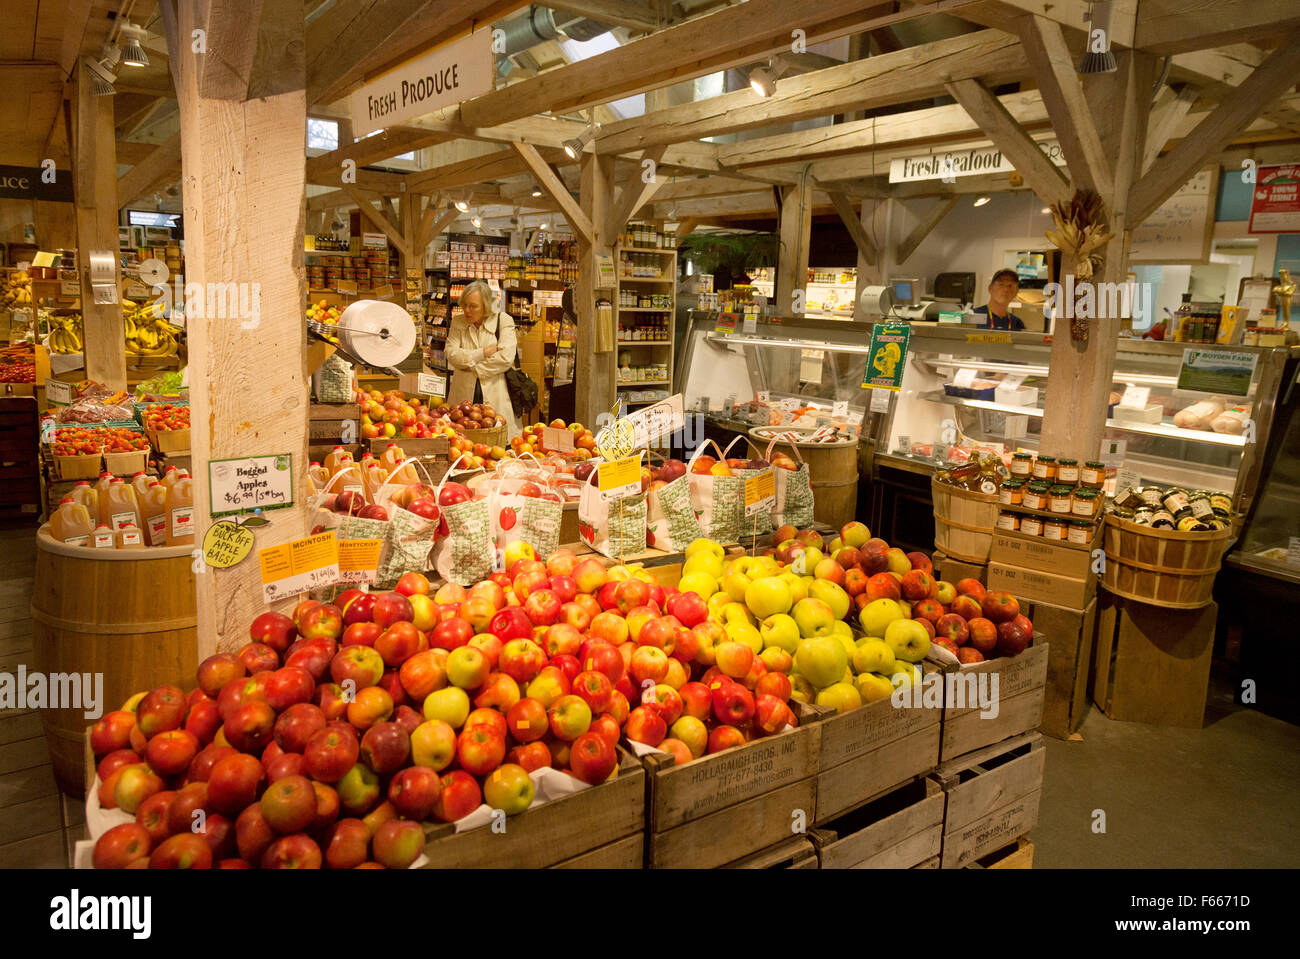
(480, 349)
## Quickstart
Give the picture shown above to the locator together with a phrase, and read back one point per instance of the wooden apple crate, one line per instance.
(327, 422)
(1153, 663)
(991, 797)
(902, 829)
(577, 827)
(950, 569)
(1069, 660)
(728, 805)
(625, 853)
(1016, 855)
(1022, 682)
(870, 750)
(797, 852)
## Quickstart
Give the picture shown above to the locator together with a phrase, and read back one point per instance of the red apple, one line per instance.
(593, 758)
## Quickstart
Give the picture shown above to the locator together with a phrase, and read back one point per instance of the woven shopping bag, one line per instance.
(719, 501)
(794, 495)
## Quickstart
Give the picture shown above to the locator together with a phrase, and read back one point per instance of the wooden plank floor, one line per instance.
(38, 825)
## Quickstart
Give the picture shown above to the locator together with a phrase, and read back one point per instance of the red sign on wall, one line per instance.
(1275, 201)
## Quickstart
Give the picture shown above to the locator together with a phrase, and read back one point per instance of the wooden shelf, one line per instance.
(646, 279)
(622, 383)
(644, 342)
(644, 309)
(647, 249)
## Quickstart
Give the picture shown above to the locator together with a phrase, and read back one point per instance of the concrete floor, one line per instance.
(1218, 797)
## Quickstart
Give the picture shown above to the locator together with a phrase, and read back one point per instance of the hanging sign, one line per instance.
(226, 544)
(242, 485)
(35, 183)
(620, 478)
(652, 422)
(955, 163)
(760, 492)
(1217, 371)
(1275, 201)
(452, 73)
(888, 351)
(298, 566)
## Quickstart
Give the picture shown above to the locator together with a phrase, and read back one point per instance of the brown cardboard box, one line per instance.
(1048, 556)
(531, 352)
(1038, 586)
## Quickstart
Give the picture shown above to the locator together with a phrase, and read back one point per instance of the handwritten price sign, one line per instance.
(299, 566)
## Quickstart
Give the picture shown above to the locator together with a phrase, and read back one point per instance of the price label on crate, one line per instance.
(359, 560)
(299, 566)
(557, 440)
(760, 492)
(620, 478)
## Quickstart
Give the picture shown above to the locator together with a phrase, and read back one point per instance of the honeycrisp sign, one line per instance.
(441, 77)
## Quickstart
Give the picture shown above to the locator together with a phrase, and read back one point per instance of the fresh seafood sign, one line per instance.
(256, 482)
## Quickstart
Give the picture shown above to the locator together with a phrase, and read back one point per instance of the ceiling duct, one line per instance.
(540, 24)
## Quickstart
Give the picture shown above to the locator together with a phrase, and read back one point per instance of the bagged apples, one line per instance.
(465, 553)
(671, 523)
(524, 507)
(717, 495)
(794, 495)
(615, 527)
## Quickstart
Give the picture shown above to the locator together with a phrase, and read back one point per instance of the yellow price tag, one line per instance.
(226, 544)
(760, 492)
(298, 566)
(359, 560)
(620, 477)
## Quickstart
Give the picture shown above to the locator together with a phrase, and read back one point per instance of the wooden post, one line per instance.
(594, 377)
(792, 260)
(94, 155)
(244, 219)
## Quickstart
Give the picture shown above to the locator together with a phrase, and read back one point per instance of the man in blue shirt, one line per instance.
(1003, 288)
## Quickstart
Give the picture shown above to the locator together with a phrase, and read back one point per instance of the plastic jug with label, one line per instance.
(153, 507)
(170, 475)
(103, 538)
(129, 537)
(87, 496)
(180, 512)
(140, 483)
(335, 458)
(393, 458)
(373, 474)
(71, 523)
(349, 479)
(118, 506)
(101, 485)
(317, 477)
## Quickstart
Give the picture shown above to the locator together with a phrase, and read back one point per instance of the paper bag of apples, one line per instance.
(670, 518)
(524, 506)
(794, 495)
(614, 527)
(760, 523)
(717, 493)
(463, 552)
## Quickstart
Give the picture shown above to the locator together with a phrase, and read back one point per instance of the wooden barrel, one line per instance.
(832, 472)
(1162, 567)
(125, 614)
(964, 521)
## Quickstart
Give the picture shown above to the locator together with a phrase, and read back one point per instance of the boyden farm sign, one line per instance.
(955, 163)
(441, 77)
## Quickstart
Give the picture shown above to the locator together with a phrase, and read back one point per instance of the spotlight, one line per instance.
(573, 147)
(762, 80)
(544, 226)
(101, 75)
(1097, 57)
(537, 191)
(133, 54)
(981, 200)
(476, 220)
(462, 202)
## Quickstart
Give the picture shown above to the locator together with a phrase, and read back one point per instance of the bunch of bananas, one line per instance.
(147, 331)
(65, 333)
(15, 290)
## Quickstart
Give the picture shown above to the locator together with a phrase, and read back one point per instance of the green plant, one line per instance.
(738, 252)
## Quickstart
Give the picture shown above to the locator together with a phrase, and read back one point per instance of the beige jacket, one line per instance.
(465, 345)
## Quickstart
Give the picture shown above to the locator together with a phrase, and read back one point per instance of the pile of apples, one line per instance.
(530, 440)
(393, 414)
(474, 416)
(807, 606)
(335, 732)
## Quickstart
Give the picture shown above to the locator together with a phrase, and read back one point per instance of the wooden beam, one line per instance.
(1166, 115)
(1216, 72)
(928, 222)
(328, 167)
(423, 234)
(852, 221)
(912, 74)
(162, 163)
(636, 192)
(686, 227)
(553, 185)
(226, 66)
(733, 36)
(447, 219)
(594, 367)
(376, 217)
(95, 191)
(795, 227)
(244, 224)
(1062, 91)
(1179, 26)
(1233, 114)
(1030, 161)
(618, 13)
(371, 37)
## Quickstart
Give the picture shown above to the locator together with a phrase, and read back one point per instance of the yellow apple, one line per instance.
(768, 596)
(704, 563)
(798, 588)
(705, 546)
(908, 639)
(701, 584)
(873, 656)
(840, 696)
(739, 631)
(877, 615)
(873, 687)
(780, 631)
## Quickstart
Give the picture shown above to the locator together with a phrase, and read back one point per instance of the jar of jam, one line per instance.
(1162, 519)
(1061, 498)
(1221, 503)
(1143, 515)
(1085, 502)
(1128, 498)
(1175, 500)
(1124, 513)
(1035, 495)
(1199, 502)
(1054, 529)
(1152, 496)
(1067, 471)
(1008, 521)
(1011, 493)
(1093, 474)
(1031, 526)
(1022, 465)
(1190, 524)
(1045, 468)
(1079, 531)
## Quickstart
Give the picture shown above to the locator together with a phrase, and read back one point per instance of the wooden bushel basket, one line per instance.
(1160, 566)
(964, 521)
